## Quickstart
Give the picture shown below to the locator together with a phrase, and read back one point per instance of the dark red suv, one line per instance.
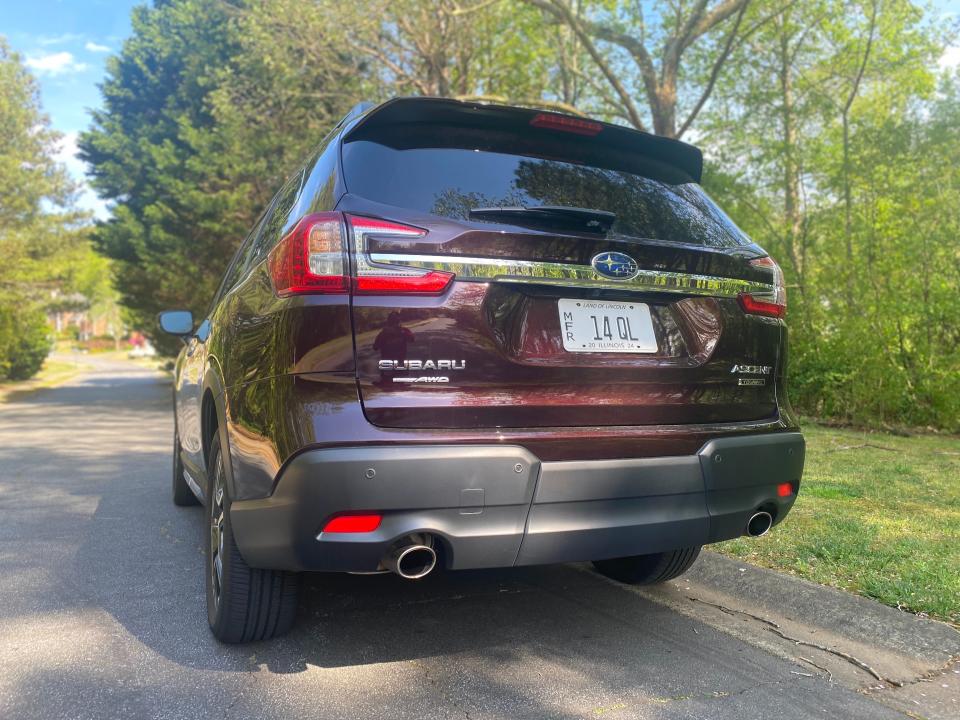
(476, 336)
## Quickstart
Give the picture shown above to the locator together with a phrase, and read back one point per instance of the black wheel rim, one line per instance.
(217, 531)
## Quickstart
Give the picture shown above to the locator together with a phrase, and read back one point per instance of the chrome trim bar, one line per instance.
(473, 269)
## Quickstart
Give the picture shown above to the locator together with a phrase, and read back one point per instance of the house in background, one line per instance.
(72, 314)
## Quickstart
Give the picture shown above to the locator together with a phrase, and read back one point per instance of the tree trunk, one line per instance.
(791, 172)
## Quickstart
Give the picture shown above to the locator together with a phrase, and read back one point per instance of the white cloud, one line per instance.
(94, 47)
(55, 64)
(67, 154)
(87, 198)
(58, 39)
(950, 58)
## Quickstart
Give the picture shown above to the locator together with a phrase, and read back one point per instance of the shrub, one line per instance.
(24, 343)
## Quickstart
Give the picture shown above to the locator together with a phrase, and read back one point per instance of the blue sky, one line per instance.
(65, 44)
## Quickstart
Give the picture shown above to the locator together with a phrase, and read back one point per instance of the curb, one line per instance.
(835, 611)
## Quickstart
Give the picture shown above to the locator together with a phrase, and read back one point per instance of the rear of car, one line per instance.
(490, 336)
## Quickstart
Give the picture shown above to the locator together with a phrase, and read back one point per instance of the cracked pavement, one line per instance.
(102, 609)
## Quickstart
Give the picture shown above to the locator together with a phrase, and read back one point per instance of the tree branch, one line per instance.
(714, 73)
(713, 18)
(562, 12)
(863, 65)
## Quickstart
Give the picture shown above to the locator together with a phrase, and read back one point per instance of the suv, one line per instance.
(475, 336)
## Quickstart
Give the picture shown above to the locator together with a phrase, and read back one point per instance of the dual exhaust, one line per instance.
(414, 557)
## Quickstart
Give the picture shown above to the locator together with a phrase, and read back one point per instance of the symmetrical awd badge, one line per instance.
(394, 365)
(751, 370)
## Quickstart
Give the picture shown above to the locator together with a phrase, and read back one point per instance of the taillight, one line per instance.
(565, 123)
(772, 304)
(378, 279)
(311, 258)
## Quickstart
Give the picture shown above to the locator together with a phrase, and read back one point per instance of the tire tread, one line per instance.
(256, 604)
(649, 569)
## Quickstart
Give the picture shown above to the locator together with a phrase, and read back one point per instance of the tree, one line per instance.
(480, 50)
(36, 223)
(176, 213)
(628, 49)
(819, 147)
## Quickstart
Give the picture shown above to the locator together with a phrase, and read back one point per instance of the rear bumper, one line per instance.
(498, 506)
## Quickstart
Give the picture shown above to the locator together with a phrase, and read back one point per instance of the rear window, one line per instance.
(451, 181)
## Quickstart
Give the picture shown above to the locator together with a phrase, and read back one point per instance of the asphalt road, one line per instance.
(102, 609)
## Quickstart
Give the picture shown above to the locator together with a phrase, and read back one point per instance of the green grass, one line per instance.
(877, 515)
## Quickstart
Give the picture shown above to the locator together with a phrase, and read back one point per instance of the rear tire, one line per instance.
(649, 569)
(182, 494)
(243, 603)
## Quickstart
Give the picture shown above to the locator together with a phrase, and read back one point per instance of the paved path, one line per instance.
(102, 609)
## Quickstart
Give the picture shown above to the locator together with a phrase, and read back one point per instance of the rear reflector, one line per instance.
(352, 524)
(311, 258)
(565, 123)
(784, 489)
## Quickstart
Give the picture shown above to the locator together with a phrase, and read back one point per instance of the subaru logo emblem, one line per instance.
(615, 265)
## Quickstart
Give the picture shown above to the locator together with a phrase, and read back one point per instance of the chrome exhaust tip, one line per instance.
(759, 524)
(412, 561)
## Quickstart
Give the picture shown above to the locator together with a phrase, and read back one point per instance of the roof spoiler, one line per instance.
(675, 154)
(359, 109)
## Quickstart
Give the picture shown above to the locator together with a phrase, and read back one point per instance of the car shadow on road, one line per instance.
(554, 617)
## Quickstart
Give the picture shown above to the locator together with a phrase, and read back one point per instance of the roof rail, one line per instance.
(356, 110)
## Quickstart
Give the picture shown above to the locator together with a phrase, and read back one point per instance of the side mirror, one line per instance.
(176, 322)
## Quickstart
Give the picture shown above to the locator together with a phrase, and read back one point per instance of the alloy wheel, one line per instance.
(217, 531)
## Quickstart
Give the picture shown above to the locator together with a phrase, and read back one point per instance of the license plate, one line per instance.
(609, 327)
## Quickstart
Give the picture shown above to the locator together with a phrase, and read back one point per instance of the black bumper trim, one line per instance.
(497, 506)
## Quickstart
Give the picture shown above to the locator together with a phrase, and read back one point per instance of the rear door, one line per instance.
(547, 319)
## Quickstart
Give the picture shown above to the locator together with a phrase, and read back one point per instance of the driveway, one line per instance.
(102, 609)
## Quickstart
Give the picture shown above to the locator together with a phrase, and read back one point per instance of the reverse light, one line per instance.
(378, 279)
(772, 304)
(784, 489)
(352, 524)
(565, 123)
(311, 258)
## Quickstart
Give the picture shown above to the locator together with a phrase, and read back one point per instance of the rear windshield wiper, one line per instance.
(584, 219)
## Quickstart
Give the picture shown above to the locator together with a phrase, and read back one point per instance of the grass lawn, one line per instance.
(877, 515)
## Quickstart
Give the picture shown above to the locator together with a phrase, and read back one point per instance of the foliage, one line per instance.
(24, 342)
(34, 226)
(670, 54)
(176, 213)
(833, 150)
